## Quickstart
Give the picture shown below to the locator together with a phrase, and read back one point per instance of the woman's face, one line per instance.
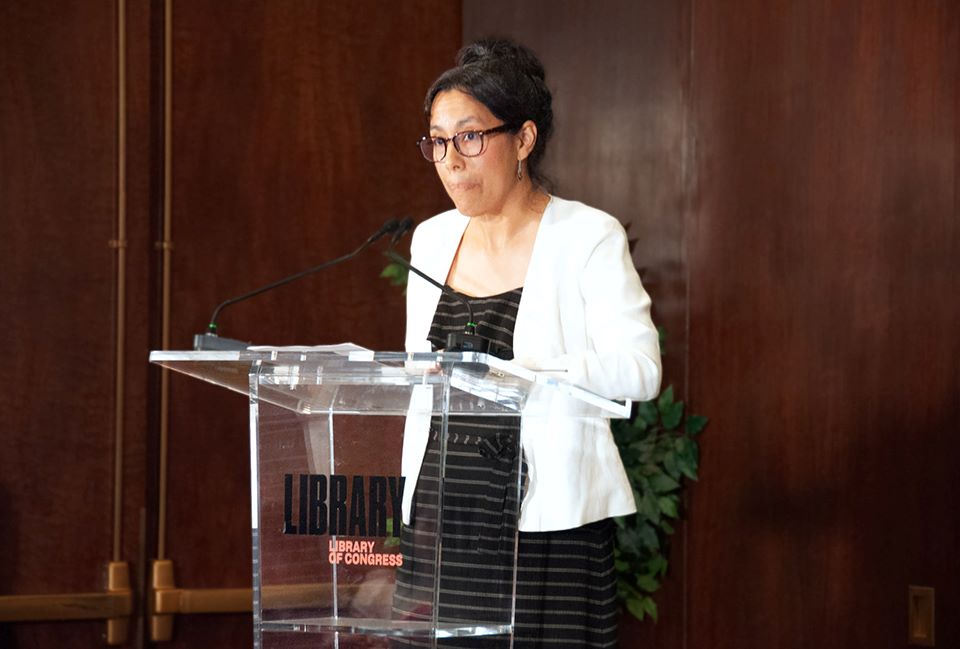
(482, 184)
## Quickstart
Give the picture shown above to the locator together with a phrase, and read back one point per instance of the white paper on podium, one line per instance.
(340, 348)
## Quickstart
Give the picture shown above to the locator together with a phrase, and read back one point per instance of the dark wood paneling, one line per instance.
(293, 140)
(820, 234)
(57, 191)
(824, 274)
(141, 250)
(58, 211)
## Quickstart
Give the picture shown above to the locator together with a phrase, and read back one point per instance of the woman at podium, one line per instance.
(552, 286)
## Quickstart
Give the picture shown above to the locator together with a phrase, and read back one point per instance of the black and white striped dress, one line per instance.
(566, 585)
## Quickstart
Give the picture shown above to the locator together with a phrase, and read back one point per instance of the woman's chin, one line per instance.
(467, 207)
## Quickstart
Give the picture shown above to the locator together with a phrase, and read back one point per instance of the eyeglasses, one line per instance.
(469, 144)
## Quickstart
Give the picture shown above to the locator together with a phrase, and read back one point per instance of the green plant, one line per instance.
(395, 274)
(659, 450)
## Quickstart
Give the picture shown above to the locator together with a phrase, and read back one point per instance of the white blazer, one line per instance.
(582, 311)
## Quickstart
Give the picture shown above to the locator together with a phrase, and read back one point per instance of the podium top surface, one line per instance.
(346, 379)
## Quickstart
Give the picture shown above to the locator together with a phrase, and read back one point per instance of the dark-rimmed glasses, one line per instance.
(469, 144)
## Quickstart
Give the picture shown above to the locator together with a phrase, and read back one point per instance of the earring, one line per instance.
(519, 170)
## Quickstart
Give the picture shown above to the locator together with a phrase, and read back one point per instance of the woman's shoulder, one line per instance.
(574, 215)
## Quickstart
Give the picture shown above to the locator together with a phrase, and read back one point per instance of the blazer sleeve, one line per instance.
(418, 296)
(622, 357)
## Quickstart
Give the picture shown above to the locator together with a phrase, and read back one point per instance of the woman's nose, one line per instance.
(453, 159)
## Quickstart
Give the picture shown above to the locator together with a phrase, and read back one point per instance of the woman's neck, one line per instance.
(521, 215)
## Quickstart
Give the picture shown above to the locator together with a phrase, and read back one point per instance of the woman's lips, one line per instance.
(462, 186)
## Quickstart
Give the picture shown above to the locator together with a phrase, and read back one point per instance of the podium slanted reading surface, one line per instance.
(326, 441)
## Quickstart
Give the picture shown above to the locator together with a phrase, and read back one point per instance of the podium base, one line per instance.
(390, 628)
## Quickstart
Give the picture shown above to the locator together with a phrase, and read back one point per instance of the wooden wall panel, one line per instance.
(59, 198)
(57, 175)
(823, 280)
(293, 139)
(293, 132)
(818, 239)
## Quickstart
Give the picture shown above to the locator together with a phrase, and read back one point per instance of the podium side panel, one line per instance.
(329, 492)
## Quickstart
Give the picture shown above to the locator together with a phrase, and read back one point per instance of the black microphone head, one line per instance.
(388, 227)
(405, 225)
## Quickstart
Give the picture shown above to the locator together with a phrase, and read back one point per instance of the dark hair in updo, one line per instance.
(509, 80)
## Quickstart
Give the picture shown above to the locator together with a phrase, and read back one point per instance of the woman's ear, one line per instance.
(527, 138)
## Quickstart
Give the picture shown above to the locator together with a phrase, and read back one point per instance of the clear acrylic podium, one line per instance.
(327, 460)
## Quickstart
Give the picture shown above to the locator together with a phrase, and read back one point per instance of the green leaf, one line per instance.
(689, 471)
(648, 583)
(629, 539)
(396, 273)
(658, 566)
(665, 399)
(694, 424)
(647, 410)
(637, 607)
(688, 456)
(648, 536)
(647, 506)
(642, 481)
(640, 448)
(662, 483)
(672, 415)
(670, 464)
(650, 607)
(668, 505)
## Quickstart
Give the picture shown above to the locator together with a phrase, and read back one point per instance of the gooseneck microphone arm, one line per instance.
(471, 325)
(389, 227)
(468, 341)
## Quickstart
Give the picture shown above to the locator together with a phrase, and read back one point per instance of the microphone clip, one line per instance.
(468, 341)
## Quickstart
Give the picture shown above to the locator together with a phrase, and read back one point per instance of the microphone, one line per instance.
(211, 341)
(405, 225)
(469, 340)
